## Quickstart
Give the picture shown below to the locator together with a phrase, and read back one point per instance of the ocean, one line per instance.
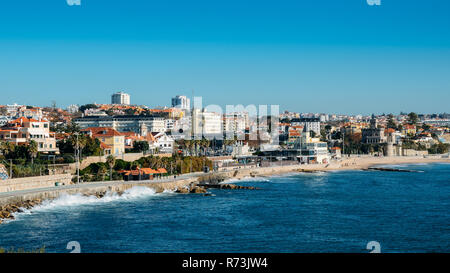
(339, 211)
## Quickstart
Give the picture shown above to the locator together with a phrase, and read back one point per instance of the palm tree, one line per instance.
(33, 150)
(7, 148)
(188, 144)
(111, 161)
(102, 171)
(204, 144)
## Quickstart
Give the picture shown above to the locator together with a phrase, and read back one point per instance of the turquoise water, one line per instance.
(323, 212)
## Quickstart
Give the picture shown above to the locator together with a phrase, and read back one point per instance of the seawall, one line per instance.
(92, 188)
(26, 183)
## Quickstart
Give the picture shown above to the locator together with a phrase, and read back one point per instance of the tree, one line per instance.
(426, 127)
(440, 148)
(32, 150)
(102, 171)
(140, 146)
(111, 161)
(413, 118)
(87, 106)
(391, 123)
(7, 148)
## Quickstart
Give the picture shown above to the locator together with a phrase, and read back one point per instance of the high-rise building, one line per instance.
(120, 98)
(181, 102)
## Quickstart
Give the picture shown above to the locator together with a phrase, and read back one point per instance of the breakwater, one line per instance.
(12, 202)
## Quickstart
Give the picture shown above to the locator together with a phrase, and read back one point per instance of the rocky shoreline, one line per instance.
(7, 212)
(205, 182)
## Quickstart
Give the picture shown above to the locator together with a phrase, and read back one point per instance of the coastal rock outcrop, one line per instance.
(198, 189)
(191, 189)
(7, 211)
(235, 187)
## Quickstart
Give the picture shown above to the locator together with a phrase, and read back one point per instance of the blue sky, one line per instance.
(308, 56)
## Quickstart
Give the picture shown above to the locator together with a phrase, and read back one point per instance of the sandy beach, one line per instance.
(347, 163)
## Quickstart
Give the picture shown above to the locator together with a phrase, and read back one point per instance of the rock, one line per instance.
(198, 189)
(182, 190)
(5, 214)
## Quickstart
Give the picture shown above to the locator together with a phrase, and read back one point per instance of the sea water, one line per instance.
(339, 211)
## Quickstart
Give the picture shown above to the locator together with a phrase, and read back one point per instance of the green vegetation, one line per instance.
(139, 147)
(88, 146)
(197, 147)
(413, 118)
(440, 148)
(409, 144)
(87, 106)
(173, 165)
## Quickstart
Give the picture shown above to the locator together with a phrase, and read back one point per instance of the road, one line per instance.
(87, 185)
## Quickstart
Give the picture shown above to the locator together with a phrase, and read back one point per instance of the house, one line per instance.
(143, 174)
(336, 152)
(409, 129)
(22, 130)
(373, 134)
(111, 141)
(163, 143)
(312, 150)
(311, 124)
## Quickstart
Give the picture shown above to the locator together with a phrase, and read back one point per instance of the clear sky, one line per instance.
(340, 56)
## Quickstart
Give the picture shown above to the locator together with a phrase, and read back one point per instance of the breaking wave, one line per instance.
(66, 200)
(246, 179)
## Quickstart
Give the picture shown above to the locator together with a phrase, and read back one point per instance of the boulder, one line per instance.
(182, 190)
(5, 214)
(198, 189)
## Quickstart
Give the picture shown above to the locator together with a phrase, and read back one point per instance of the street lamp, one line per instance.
(77, 153)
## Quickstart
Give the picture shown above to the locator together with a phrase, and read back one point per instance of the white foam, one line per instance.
(245, 179)
(66, 200)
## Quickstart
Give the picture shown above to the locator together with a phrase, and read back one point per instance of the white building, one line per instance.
(23, 130)
(163, 143)
(169, 124)
(73, 108)
(235, 123)
(310, 124)
(13, 109)
(312, 150)
(120, 98)
(207, 124)
(138, 124)
(4, 120)
(181, 102)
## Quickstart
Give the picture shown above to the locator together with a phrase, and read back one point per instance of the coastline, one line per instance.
(15, 202)
(352, 163)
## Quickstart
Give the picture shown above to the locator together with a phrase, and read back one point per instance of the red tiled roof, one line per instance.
(104, 146)
(102, 131)
(144, 171)
(23, 119)
(408, 126)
